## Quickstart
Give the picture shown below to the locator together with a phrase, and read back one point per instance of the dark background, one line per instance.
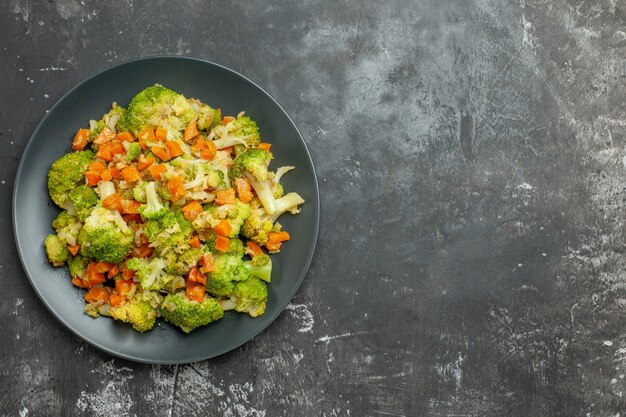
(471, 252)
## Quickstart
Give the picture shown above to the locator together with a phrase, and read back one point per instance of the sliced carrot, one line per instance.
(106, 175)
(78, 282)
(130, 206)
(222, 243)
(105, 135)
(273, 247)
(92, 276)
(123, 286)
(196, 276)
(226, 196)
(199, 144)
(116, 300)
(156, 170)
(223, 228)
(191, 131)
(209, 152)
(80, 140)
(264, 146)
(277, 237)
(125, 137)
(162, 153)
(160, 134)
(255, 248)
(191, 210)
(195, 291)
(174, 148)
(207, 263)
(244, 190)
(175, 188)
(194, 242)
(113, 202)
(127, 273)
(73, 249)
(117, 148)
(227, 119)
(143, 251)
(115, 173)
(100, 267)
(131, 174)
(144, 162)
(104, 152)
(133, 217)
(98, 294)
(92, 177)
(96, 166)
(113, 271)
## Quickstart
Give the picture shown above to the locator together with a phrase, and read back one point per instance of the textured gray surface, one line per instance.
(471, 250)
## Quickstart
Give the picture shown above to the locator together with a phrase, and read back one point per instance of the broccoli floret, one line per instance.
(257, 226)
(83, 199)
(114, 120)
(189, 314)
(105, 236)
(251, 296)
(56, 250)
(138, 312)
(153, 209)
(77, 265)
(63, 219)
(169, 231)
(208, 117)
(242, 131)
(260, 267)
(181, 264)
(66, 173)
(254, 161)
(133, 151)
(228, 270)
(151, 274)
(212, 215)
(139, 192)
(158, 106)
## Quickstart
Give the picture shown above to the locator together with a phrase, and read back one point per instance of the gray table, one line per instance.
(471, 252)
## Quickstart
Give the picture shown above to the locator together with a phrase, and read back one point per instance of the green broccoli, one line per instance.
(208, 117)
(66, 173)
(77, 265)
(181, 264)
(62, 220)
(170, 230)
(132, 151)
(153, 209)
(242, 131)
(83, 199)
(212, 215)
(260, 267)
(254, 161)
(139, 192)
(151, 274)
(257, 226)
(158, 106)
(251, 296)
(138, 312)
(228, 270)
(105, 236)
(56, 250)
(189, 314)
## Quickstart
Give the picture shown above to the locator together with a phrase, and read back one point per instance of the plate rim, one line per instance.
(240, 341)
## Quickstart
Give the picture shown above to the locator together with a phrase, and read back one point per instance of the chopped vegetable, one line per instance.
(155, 200)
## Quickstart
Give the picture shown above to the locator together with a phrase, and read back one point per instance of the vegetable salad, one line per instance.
(169, 209)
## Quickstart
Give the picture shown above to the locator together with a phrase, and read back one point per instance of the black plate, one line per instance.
(33, 211)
